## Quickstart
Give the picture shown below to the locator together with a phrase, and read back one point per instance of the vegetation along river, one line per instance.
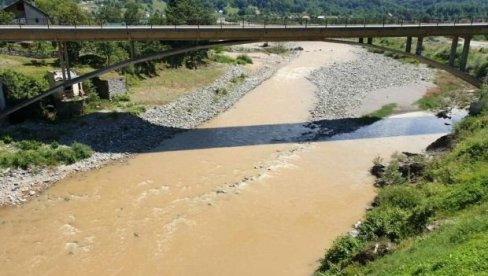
(241, 195)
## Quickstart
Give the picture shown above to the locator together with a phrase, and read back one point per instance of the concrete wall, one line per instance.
(107, 89)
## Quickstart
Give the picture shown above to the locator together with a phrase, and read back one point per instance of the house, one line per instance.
(26, 13)
(75, 91)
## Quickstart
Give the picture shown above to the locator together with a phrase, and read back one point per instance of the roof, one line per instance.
(28, 4)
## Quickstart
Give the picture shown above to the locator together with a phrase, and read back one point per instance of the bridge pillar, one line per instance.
(132, 49)
(370, 40)
(408, 46)
(66, 60)
(420, 45)
(454, 46)
(61, 59)
(361, 40)
(464, 57)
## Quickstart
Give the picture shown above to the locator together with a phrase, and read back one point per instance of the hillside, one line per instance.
(396, 8)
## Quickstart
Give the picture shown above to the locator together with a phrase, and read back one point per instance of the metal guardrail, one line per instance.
(252, 22)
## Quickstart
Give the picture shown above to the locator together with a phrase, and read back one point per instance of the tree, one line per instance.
(109, 13)
(6, 17)
(111, 51)
(63, 11)
(132, 14)
(189, 12)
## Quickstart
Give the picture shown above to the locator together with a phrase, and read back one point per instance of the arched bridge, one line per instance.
(242, 33)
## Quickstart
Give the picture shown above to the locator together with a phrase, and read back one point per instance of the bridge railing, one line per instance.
(253, 22)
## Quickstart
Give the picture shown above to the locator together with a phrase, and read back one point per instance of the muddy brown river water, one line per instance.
(238, 196)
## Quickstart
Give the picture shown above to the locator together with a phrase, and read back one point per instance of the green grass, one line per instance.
(381, 113)
(34, 67)
(460, 247)
(451, 193)
(171, 84)
(438, 49)
(240, 59)
(449, 92)
(29, 153)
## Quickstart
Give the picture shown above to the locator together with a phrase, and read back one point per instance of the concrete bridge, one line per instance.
(216, 35)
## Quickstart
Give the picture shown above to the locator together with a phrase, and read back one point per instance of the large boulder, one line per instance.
(442, 144)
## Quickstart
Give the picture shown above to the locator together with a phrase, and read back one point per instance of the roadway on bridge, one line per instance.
(225, 32)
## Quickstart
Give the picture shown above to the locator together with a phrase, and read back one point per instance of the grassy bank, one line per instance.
(449, 92)
(438, 49)
(173, 83)
(430, 215)
(29, 153)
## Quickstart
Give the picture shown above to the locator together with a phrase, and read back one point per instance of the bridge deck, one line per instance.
(232, 32)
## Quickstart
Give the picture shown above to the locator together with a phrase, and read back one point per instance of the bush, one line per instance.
(20, 87)
(223, 59)
(393, 175)
(29, 154)
(464, 196)
(81, 151)
(388, 222)
(244, 59)
(405, 197)
(341, 253)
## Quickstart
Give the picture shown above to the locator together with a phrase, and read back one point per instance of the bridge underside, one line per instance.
(216, 33)
(137, 60)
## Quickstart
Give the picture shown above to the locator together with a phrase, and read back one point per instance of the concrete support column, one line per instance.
(61, 59)
(408, 46)
(454, 46)
(361, 40)
(420, 44)
(464, 57)
(66, 60)
(370, 40)
(132, 49)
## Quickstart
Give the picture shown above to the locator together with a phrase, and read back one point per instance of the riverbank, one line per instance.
(114, 135)
(430, 212)
(228, 195)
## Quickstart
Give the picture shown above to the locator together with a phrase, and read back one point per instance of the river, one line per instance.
(240, 195)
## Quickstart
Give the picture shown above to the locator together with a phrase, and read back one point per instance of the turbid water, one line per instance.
(241, 195)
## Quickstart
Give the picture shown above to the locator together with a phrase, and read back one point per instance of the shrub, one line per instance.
(389, 222)
(393, 174)
(81, 151)
(464, 196)
(223, 59)
(405, 197)
(341, 253)
(244, 59)
(20, 87)
(29, 154)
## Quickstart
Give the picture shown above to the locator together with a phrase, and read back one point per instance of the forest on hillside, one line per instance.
(397, 8)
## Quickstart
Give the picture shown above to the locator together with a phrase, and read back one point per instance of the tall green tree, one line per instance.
(109, 13)
(63, 11)
(6, 17)
(133, 14)
(189, 12)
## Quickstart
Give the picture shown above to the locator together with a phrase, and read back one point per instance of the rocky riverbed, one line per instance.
(340, 91)
(343, 87)
(114, 136)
